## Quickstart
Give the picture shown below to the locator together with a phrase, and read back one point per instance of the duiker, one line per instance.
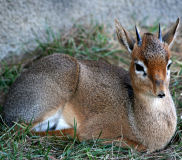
(59, 90)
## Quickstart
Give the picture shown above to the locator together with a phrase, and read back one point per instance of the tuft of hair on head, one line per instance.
(128, 41)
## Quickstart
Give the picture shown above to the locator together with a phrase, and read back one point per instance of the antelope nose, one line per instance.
(161, 94)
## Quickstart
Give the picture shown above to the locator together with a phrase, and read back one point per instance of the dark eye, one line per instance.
(168, 66)
(139, 67)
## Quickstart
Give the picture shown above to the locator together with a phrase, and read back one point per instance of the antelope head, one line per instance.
(150, 59)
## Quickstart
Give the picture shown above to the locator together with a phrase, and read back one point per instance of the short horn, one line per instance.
(160, 33)
(139, 40)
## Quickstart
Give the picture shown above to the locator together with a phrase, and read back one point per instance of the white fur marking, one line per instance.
(55, 120)
(62, 124)
(168, 71)
(140, 73)
(157, 104)
(168, 74)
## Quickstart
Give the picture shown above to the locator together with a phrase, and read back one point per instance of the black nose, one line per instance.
(161, 95)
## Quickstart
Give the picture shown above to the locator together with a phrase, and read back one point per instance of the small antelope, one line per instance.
(59, 90)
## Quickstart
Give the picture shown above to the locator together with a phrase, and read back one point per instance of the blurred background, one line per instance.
(23, 22)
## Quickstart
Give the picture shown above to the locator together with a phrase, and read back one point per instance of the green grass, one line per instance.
(8, 75)
(83, 42)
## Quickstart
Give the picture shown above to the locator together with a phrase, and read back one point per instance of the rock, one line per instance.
(24, 21)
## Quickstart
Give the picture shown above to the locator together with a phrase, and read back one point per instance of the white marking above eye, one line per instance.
(141, 73)
(168, 70)
(169, 62)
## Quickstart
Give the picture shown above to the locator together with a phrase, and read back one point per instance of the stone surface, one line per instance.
(24, 21)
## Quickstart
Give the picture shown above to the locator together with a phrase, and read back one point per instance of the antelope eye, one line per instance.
(169, 65)
(139, 67)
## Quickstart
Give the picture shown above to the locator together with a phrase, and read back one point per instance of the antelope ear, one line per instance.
(170, 35)
(124, 37)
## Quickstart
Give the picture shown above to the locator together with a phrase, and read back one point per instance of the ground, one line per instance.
(83, 42)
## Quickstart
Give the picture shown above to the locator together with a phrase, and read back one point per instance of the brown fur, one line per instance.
(101, 97)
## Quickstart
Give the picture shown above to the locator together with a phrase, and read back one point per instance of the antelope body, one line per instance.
(59, 90)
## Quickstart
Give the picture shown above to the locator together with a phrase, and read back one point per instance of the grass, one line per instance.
(8, 75)
(83, 42)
